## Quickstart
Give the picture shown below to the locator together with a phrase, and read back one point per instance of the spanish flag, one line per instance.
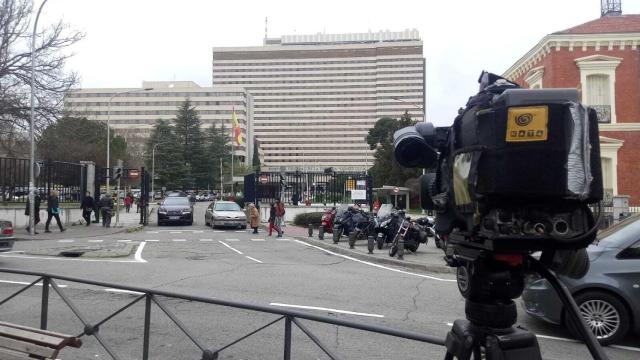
(237, 131)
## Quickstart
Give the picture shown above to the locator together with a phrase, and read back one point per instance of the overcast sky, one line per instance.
(128, 41)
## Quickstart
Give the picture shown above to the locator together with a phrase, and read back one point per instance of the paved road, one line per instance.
(240, 266)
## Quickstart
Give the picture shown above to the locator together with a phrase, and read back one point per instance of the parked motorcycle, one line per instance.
(364, 227)
(326, 225)
(343, 222)
(395, 225)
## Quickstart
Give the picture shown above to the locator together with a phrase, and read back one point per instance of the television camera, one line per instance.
(517, 173)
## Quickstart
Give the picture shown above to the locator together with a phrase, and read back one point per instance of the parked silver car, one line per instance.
(6, 235)
(608, 295)
(225, 213)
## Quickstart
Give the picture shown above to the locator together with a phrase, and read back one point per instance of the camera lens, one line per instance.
(412, 150)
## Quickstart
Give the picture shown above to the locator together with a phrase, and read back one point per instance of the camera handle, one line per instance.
(571, 309)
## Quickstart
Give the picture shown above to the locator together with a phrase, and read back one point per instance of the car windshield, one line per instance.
(620, 232)
(173, 201)
(227, 207)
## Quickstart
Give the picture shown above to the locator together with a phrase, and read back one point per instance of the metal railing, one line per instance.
(151, 297)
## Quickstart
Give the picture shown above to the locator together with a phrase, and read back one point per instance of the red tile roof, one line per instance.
(606, 25)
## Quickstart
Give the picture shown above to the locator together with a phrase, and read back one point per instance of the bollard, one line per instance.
(401, 248)
(310, 230)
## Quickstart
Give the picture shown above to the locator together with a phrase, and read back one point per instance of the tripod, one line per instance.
(489, 287)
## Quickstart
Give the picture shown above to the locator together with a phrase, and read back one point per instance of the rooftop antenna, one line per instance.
(266, 23)
(610, 8)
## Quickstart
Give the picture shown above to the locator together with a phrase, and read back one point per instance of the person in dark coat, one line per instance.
(272, 218)
(279, 217)
(53, 211)
(87, 207)
(36, 211)
(106, 206)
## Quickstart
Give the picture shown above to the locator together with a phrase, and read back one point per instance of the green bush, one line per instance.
(313, 218)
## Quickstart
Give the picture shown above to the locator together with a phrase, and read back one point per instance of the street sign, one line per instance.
(264, 179)
(134, 173)
(358, 194)
(396, 190)
(351, 184)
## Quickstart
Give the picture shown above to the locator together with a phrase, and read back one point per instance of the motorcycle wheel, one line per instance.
(370, 244)
(393, 250)
(380, 242)
(352, 239)
(337, 233)
(412, 247)
(321, 232)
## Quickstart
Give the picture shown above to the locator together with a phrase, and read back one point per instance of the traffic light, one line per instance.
(117, 172)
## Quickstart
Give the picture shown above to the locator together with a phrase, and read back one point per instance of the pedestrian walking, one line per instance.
(128, 200)
(53, 211)
(279, 217)
(36, 211)
(106, 206)
(272, 219)
(138, 203)
(87, 207)
(254, 216)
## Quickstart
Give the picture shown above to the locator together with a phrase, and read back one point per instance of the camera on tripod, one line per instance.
(518, 172)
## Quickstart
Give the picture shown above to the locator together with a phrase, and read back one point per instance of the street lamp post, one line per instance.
(109, 129)
(32, 160)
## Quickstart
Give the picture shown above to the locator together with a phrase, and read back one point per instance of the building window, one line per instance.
(599, 97)
(598, 84)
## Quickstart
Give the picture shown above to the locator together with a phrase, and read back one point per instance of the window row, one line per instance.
(155, 112)
(153, 103)
(75, 94)
(372, 81)
(308, 62)
(326, 73)
(313, 67)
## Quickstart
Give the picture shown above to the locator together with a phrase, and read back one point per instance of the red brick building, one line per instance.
(601, 58)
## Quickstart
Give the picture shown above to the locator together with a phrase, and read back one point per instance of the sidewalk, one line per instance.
(427, 258)
(77, 228)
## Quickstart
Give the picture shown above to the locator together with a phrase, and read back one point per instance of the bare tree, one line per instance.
(51, 79)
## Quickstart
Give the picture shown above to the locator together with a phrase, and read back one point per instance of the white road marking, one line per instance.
(151, 232)
(26, 283)
(152, 240)
(198, 231)
(257, 240)
(124, 240)
(138, 255)
(282, 239)
(218, 231)
(227, 245)
(66, 241)
(96, 241)
(123, 291)
(179, 239)
(206, 239)
(175, 232)
(254, 259)
(241, 231)
(327, 309)
(375, 265)
(232, 239)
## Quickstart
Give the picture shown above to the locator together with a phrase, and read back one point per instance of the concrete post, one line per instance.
(91, 177)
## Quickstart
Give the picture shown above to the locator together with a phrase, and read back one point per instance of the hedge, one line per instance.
(304, 219)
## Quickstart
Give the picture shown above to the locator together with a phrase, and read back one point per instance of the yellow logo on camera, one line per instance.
(527, 123)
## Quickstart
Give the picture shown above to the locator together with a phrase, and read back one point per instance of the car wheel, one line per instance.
(605, 315)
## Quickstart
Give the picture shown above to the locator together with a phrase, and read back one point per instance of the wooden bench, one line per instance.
(19, 342)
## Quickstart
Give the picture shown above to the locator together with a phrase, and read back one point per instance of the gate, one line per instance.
(296, 187)
(69, 179)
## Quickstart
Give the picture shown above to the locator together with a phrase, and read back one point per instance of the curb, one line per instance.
(434, 268)
(128, 229)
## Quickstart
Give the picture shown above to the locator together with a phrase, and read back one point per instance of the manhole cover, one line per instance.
(71, 253)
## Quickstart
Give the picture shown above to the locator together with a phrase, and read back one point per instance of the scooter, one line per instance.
(364, 226)
(326, 225)
(343, 223)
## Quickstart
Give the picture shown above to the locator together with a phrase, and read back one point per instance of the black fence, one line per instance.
(157, 298)
(297, 187)
(69, 179)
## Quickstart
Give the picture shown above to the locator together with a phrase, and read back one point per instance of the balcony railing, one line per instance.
(604, 113)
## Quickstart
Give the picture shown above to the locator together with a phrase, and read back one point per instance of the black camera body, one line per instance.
(518, 171)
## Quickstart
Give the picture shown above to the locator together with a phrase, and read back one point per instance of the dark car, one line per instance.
(6, 235)
(608, 295)
(175, 209)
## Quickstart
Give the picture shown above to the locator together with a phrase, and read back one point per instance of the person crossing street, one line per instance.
(279, 217)
(87, 207)
(53, 211)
